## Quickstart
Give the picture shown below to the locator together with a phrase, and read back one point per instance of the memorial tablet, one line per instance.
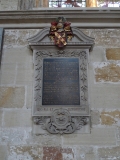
(61, 81)
(60, 90)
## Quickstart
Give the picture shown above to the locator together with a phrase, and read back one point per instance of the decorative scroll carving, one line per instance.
(81, 121)
(83, 77)
(41, 121)
(61, 122)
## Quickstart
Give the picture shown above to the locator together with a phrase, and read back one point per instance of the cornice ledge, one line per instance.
(40, 18)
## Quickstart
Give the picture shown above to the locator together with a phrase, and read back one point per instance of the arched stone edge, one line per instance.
(82, 39)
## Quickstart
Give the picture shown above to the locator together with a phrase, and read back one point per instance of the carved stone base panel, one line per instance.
(61, 122)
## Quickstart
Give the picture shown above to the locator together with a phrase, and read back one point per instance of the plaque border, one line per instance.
(38, 68)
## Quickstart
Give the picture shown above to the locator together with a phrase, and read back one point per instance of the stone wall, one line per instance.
(8, 5)
(16, 81)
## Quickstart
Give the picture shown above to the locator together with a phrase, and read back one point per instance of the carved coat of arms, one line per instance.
(60, 32)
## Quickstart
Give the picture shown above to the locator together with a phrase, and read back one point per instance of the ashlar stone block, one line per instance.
(98, 136)
(12, 97)
(46, 140)
(97, 55)
(109, 153)
(107, 72)
(29, 96)
(113, 53)
(1, 116)
(8, 5)
(25, 153)
(18, 37)
(103, 96)
(8, 73)
(17, 55)
(15, 136)
(84, 153)
(3, 152)
(118, 135)
(24, 74)
(104, 38)
(110, 118)
(95, 117)
(57, 153)
(17, 118)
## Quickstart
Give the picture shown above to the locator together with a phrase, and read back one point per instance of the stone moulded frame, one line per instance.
(65, 118)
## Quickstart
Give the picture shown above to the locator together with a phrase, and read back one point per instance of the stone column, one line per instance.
(25, 4)
(45, 3)
(41, 3)
(91, 3)
(36, 3)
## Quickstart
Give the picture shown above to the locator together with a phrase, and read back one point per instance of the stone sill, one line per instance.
(79, 17)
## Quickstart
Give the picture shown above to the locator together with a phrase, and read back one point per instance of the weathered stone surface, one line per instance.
(118, 135)
(98, 136)
(113, 53)
(25, 153)
(109, 118)
(46, 140)
(109, 152)
(8, 73)
(97, 55)
(8, 5)
(100, 98)
(84, 153)
(17, 55)
(107, 72)
(95, 117)
(106, 37)
(3, 152)
(103, 37)
(1, 116)
(25, 4)
(52, 153)
(11, 97)
(17, 118)
(57, 153)
(15, 136)
(17, 69)
(90, 156)
(16, 37)
(24, 74)
(1, 43)
(68, 154)
(29, 97)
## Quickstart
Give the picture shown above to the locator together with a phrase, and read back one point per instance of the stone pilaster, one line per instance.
(91, 3)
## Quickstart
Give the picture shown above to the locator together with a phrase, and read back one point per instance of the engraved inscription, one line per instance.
(61, 81)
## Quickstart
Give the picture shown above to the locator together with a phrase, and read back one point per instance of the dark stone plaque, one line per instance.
(60, 81)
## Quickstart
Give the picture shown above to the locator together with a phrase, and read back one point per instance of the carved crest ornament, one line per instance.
(60, 57)
(60, 31)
